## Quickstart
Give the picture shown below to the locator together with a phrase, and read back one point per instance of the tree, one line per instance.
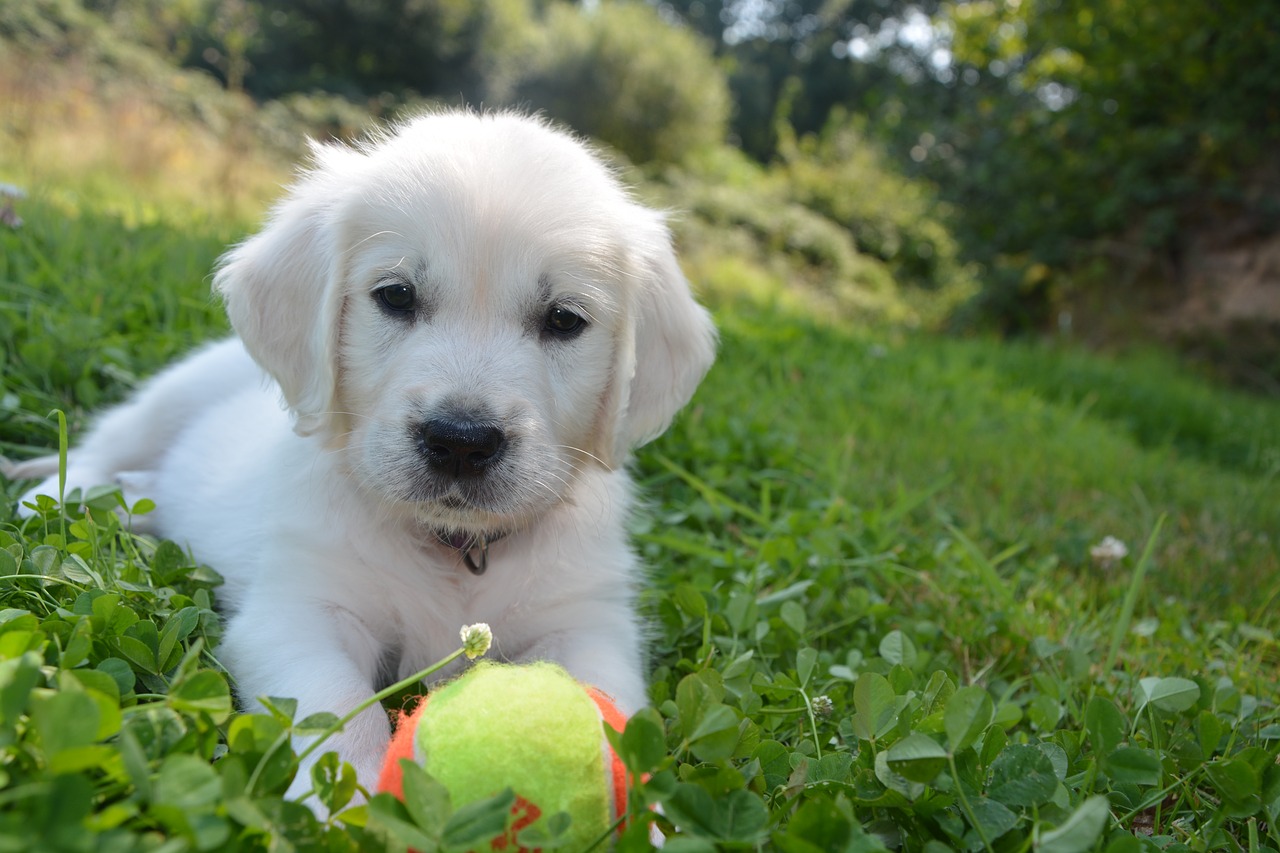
(1111, 120)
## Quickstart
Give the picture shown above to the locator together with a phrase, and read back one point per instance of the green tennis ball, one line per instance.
(531, 728)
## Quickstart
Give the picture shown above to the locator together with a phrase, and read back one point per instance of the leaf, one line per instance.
(832, 768)
(896, 781)
(1105, 724)
(806, 658)
(775, 766)
(168, 562)
(917, 758)
(937, 692)
(688, 599)
(993, 818)
(874, 707)
(1170, 694)
(110, 717)
(737, 817)
(1022, 776)
(642, 746)
(547, 833)
(816, 827)
(741, 816)
(1080, 832)
(1134, 766)
(282, 708)
(65, 720)
(716, 736)
(696, 693)
(1234, 778)
(692, 810)
(897, 649)
(176, 629)
(968, 714)
(426, 799)
(1057, 758)
(75, 569)
(317, 724)
(188, 783)
(793, 616)
(386, 814)
(478, 822)
(1208, 732)
(18, 677)
(1044, 712)
(253, 733)
(205, 692)
(137, 653)
(135, 763)
(120, 671)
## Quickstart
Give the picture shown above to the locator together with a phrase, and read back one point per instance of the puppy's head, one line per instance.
(473, 309)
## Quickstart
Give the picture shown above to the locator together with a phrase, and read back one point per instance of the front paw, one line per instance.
(85, 487)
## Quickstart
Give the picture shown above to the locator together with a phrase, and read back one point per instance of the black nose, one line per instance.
(461, 447)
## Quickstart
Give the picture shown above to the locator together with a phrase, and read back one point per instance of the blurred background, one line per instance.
(1101, 170)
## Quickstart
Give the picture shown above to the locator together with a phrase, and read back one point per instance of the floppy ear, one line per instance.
(282, 294)
(671, 347)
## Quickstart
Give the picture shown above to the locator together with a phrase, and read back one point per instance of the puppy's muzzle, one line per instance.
(461, 448)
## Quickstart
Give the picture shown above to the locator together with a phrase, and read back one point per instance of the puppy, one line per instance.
(449, 340)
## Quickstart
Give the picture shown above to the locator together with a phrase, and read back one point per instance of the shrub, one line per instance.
(841, 174)
(621, 74)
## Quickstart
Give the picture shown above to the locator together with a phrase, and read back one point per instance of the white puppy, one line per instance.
(471, 325)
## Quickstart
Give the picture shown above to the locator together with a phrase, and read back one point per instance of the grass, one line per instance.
(877, 622)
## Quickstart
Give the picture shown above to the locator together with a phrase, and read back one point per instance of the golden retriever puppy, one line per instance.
(449, 340)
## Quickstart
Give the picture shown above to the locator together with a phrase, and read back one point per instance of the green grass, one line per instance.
(877, 623)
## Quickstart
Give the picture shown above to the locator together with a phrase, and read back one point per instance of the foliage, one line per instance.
(877, 624)
(1076, 149)
(1084, 149)
(828, 225)
(843, 175)
(1137, 122)
(791, 60)
(609, 74)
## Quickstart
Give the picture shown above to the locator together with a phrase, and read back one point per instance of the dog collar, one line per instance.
(472, 548)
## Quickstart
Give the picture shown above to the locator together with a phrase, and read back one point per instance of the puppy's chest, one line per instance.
(443, 596)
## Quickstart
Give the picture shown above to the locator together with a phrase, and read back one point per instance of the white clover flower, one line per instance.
(476, 639)
(823, 706)
(8, 215)
(1110, 550)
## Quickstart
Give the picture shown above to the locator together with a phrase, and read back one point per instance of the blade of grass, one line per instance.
(1125, 618)
(709, 493)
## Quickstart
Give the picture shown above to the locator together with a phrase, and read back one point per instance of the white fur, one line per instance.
(320, 513)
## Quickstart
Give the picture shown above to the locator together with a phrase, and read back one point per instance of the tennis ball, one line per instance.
(529, 727)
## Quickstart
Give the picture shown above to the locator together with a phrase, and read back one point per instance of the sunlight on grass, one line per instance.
(113, 145)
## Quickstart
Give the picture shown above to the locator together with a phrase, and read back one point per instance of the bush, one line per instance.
(841, 174)
(624, 76)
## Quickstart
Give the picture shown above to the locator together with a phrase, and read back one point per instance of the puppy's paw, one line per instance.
(27, 503)
(83, 484)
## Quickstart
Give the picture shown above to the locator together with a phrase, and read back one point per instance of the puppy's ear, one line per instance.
(672, 346)
(283, 296)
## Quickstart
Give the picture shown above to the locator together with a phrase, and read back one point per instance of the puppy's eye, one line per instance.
(564, 323)
(397, 297)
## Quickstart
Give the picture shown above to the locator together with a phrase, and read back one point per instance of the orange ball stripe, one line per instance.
(613, 719)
